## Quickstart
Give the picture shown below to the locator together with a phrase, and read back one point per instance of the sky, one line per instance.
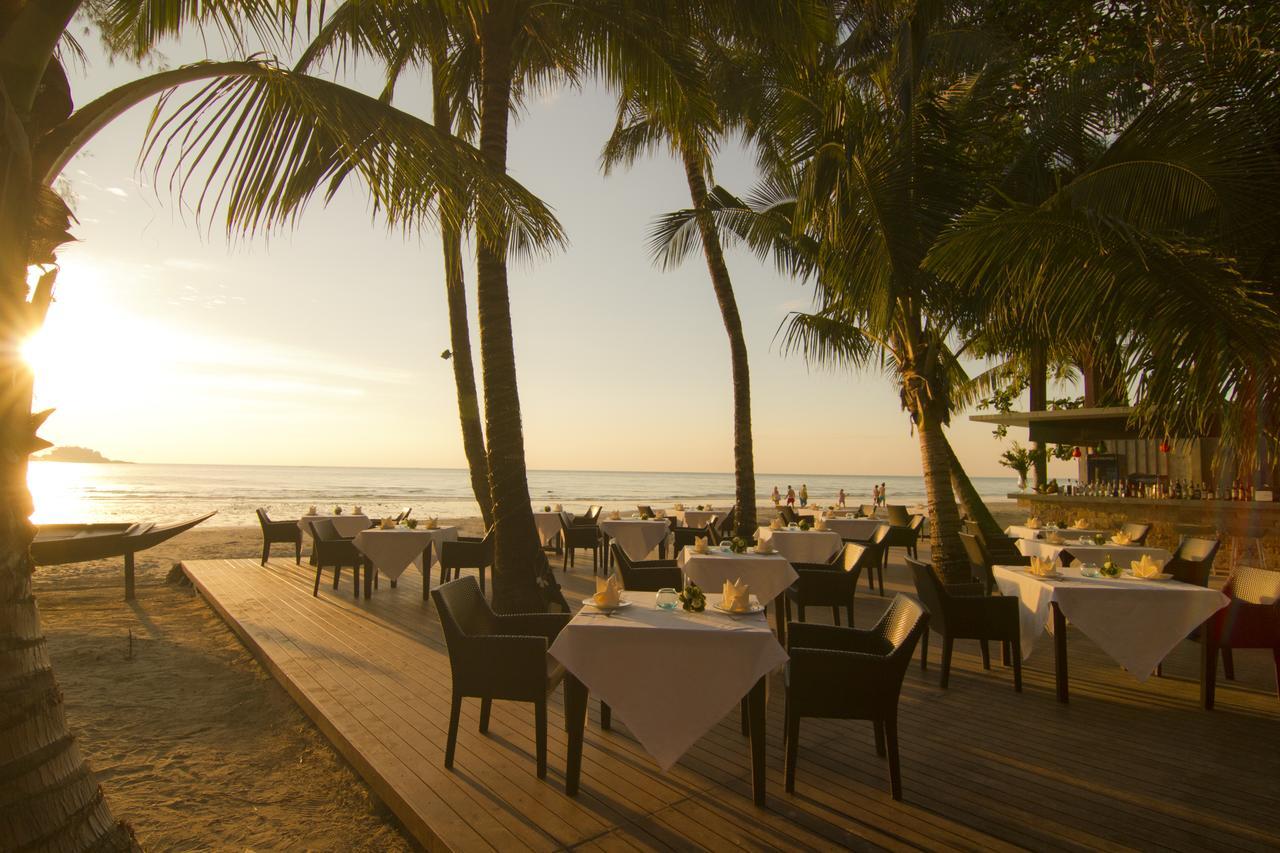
(170, 341)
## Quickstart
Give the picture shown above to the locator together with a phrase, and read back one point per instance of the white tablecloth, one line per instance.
(803, 546)
(549, 524)
(696, 517)
(1121, 555)
(393, 551)
(1136, 622)
(636, 537)
(767, 574)
(861, 529)
(1021, 531)
(669, 675)
(346, 525)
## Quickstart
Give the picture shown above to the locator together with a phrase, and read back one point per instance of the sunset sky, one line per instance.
(321, 345)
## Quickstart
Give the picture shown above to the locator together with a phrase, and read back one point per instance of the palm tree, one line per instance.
(40, 130)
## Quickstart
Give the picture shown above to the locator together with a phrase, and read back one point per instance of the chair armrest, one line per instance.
(966, 590)
(981, 609)
(819, 671)
(546, 625)
(837, 638)
(508, 665)
(653, 564)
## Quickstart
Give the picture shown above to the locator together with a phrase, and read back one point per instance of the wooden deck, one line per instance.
(1125, 765)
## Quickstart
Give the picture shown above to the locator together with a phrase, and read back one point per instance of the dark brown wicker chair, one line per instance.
(789, 514)
(575, 536)
(981, 563)
(905, 535)
(403, 514)
(497, 657)
(879, 541)
(1250, 621)
(279, 531)
(831, 584)
(467, 552)
(682, 536)
(328, 548)
(725, 527)
(1002, 550)
(1136, 532)
(1193, 561)
(646, 575)
(961, 611)
(590, 517)
(848, 674)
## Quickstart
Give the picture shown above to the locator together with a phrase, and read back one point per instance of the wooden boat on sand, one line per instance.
(56, 544)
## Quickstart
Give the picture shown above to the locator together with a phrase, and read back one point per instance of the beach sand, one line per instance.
(194, 743)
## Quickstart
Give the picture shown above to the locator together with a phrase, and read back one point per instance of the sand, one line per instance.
(194, 743)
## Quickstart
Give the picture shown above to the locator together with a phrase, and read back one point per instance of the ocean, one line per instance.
(79, 492)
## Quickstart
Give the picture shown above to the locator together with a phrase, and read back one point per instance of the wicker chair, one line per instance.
(497, 657)
(1001, 550)
(1136, 532)
(330, 549)
(832, 584)
(961, 611)
(1250, 621)
(467, 552)
(879, 541)
(646, 575)
(1193, 561)
(403, 514)
(725, 529)
(981, 563)
(279, 531)
(575, 536)
(897, 515)
(848, 674)
(789, 514)
(682, 536)
(590, 517)
(646, 511)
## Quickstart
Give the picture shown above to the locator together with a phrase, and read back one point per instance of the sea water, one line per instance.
(83, 492)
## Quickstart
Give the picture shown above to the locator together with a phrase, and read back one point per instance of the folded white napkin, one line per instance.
(764, 546)
(1145, 568)
(661, 513)
(387, 523)
(1033, 523)
(700, 545)
(433, 523)
(1121, 538)
(311, 510)
(608, 592)
(679, 507)
(357, 510)
(1081, 524)
(737, 596)
(558, 508)
(820, 524)
(777, 523)
(1040, 567)
(614, 515)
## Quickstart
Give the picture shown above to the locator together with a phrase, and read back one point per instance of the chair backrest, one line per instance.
(323, 530)
(789, 515)
(647, 578)
(881, 534)
(263, 518)
(901, 625)
(898, 515)
(1254, 586)
(713, 529)
(979, 561)
(929, 588)
(404, 513)
(593, 513)
(1136, 532)
(917, 522)
(1193, 561)
(463, 613)
(646, 511)
(727, 523)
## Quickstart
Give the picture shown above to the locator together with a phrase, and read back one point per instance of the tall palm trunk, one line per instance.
(522, 578)
(48, 797)
(464, 371)
(968, 498)
(744, 468)
(948, 553)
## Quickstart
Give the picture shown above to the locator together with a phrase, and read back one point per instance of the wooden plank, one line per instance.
(1123, 765)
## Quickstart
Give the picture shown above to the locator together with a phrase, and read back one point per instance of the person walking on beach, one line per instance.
(840, 498)
(777, 498)
(884, 495)
(791, 496)
(875, 495)
(804, 494)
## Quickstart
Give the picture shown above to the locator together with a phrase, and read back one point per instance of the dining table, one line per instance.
(1089, 552)
(802, 546)
(1136, 622)
(346, 525)
(1022, 531)
(669, 675)
(394, 550)
(767, 575)
(856, 529)
(548, 524)
(636, 536)
(696, 517)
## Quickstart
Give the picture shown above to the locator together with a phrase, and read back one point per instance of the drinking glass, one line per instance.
(667, 599)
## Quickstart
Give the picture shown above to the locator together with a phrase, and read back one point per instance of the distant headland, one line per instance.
(73, 454)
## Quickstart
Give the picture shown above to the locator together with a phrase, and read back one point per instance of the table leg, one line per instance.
(756, 706)
(426, 569)
(780, 617)
(1059, 651)
(575, 713)
(368, 578)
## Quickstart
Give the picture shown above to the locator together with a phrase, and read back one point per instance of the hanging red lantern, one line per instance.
(1164, 446)
(1075, 453)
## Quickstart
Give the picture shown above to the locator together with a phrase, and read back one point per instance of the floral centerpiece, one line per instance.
(411, 523)
(1109, 568)
(1099, 539)
(693, 599)
(547, 508)
(804, 524)
(738, 545)
(337, 510)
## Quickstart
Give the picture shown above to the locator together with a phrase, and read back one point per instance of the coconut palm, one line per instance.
(403, 161)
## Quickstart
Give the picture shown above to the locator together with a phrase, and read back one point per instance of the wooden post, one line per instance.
(755, 714)
(1059, 651)
(1038, 386)
(128, 576)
